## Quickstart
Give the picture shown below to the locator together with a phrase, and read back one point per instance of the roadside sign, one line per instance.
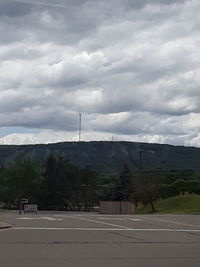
(30, 208)
(24, 200)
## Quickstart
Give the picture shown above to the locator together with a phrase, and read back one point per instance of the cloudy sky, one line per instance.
(131, 67)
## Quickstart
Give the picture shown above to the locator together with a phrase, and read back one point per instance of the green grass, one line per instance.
(182, 204)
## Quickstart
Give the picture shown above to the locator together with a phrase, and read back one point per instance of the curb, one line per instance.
(5, 226)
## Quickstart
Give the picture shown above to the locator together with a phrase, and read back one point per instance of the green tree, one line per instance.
(123, 188)
(60, 184)
(89, 187)
(48, 191)
(3, 185)
(67, 183)
(107, 184)
(23, 180)
(147, 186)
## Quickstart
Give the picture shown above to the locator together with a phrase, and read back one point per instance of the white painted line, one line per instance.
(169, 221)
(68, 216)
(24, 218)
(107, 229)
(118, 219)
(70, 228)
(110, 224)
(50, 219)
(38, 218)
(135, 220)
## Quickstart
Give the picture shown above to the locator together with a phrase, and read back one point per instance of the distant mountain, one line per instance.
(108, 157)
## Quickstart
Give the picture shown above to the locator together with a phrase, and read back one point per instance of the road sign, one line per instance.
(30, 208)
(24, 200)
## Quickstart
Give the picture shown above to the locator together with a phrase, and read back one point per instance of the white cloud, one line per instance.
(131, 67)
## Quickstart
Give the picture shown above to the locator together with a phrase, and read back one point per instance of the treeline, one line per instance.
(146, 186)
(59, 185)
(54, 185)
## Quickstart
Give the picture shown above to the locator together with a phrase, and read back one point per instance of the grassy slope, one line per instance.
(178, 204)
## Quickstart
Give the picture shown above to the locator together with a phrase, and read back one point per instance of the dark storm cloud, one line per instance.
(12, 9)
(70, 22)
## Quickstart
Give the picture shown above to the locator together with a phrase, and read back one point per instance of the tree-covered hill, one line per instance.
(108, 157)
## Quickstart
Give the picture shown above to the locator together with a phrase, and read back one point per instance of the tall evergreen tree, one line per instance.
(123, 188)
(49, 191)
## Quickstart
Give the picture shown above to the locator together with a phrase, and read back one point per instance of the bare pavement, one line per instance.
(64, 239)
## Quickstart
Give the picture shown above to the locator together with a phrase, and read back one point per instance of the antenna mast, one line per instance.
(80, 115)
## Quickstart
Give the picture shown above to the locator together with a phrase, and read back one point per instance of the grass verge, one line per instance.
(183, 204)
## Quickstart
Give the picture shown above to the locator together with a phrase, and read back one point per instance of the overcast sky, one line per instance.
(131, 67)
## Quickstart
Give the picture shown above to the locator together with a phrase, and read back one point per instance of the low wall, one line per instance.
(116, 207)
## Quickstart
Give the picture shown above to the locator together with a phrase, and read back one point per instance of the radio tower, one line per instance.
(80, 114)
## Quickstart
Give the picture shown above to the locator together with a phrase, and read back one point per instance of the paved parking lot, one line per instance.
(89, 239)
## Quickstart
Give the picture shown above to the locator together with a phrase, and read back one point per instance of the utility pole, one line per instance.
(80, 115)
(141, 165)
(140, 152)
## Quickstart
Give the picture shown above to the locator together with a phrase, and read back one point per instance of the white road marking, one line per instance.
(38, 218)
(24, 218)
(135, 220)
(169, 221)
(118, 219)
(68, 216)
(107, 229)
(50, 219)
(110, 224)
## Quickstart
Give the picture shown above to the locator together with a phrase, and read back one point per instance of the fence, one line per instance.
(116, 207)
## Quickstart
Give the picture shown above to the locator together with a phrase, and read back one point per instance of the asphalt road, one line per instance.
(97, 240)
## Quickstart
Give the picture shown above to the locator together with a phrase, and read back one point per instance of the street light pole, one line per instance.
(140, 164)
(140, 152)
(80, 115)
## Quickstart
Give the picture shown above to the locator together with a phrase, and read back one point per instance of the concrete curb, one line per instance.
(5, 225)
